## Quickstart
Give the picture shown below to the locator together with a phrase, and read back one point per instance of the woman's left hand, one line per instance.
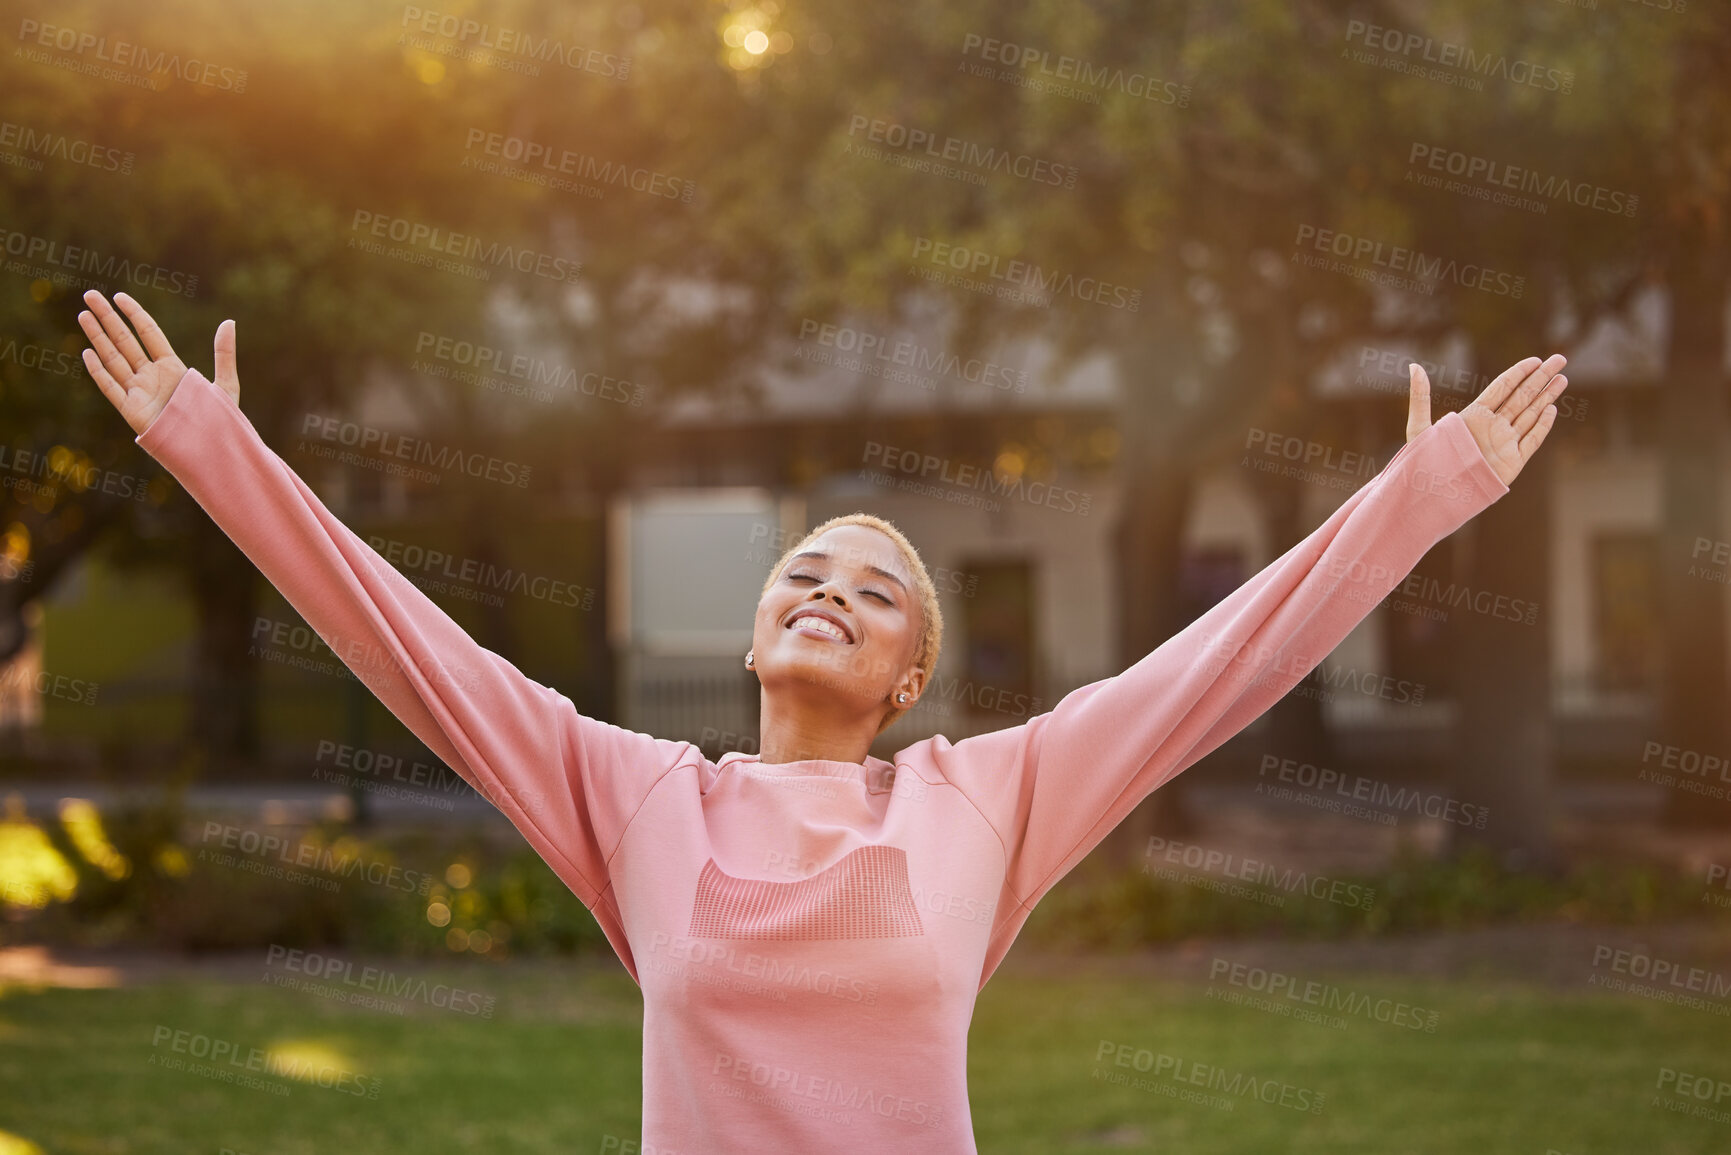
(1509, 419)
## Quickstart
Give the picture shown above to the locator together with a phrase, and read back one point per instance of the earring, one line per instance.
(748, 664)
(901, 697)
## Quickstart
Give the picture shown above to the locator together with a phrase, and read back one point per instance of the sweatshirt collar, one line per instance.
(873, 771)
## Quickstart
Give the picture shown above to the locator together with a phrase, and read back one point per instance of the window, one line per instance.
(1205, 577)
(697, 560)
(998, 628)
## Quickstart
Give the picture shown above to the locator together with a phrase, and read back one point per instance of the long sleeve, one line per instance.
(1054, 786)
(571, 784)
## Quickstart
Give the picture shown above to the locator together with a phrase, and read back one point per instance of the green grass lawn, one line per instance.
(1510, 1068)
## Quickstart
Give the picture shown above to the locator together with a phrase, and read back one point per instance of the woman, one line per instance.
(810, 926)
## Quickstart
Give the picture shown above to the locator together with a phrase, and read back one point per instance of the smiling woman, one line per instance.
(827, 1012)
(856, 587)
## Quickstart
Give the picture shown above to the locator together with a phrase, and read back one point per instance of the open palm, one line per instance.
(1509, 419)
(138, 379)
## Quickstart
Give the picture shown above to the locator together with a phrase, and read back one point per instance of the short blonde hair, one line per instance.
(931, 614)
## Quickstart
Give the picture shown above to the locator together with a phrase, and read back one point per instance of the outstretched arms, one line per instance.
(569, 783)
(1054, 786)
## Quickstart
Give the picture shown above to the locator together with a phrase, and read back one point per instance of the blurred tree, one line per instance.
(1241, 125)
(1200, 204)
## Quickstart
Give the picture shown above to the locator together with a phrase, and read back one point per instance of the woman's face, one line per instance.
(853, 578)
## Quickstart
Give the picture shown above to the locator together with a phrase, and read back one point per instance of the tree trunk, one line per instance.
(224, 716)
(1693, 690)
(1297, 727)
(1148, 545)
(597, 691)
(1503, 742)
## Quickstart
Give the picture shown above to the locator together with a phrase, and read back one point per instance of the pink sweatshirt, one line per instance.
(810, 936)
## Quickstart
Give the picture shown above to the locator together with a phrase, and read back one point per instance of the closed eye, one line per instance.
(794, 577)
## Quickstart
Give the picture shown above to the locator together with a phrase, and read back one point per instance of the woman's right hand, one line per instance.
(138, 379)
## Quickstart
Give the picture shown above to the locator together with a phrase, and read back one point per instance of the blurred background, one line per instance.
(1106, 305)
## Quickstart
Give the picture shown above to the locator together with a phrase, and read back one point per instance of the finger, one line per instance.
(155, 342)
(1506, 381)
(105, 350)
(1532, 387)
(111, 389)
(1418, 401)
(226, 375)
(1531, 442)
(1529, 416)
(115, 327)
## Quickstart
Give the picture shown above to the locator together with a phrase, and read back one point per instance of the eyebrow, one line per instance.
(875, 569)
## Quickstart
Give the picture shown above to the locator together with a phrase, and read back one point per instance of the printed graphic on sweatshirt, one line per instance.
(864, 895)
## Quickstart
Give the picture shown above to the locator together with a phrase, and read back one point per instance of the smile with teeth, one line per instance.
(813, 622)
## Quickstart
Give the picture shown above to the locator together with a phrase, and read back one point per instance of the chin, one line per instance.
(847, 671)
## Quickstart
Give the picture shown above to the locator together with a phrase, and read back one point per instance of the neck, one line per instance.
(795, 731)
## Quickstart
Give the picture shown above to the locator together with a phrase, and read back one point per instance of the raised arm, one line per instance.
(568, 782)
(1054, 786)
